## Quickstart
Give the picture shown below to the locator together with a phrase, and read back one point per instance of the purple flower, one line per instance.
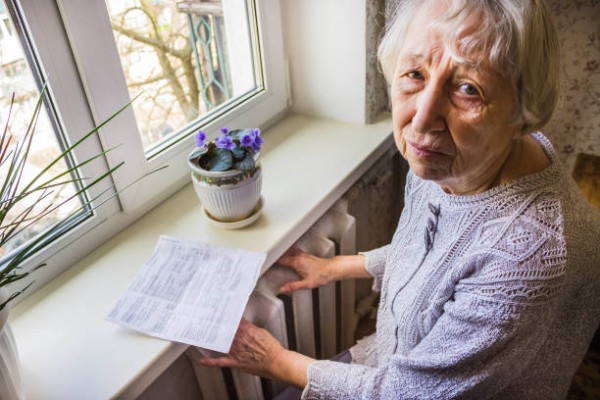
(225, 131)
(247, 140)
(225, 142)
(256, 132)
(200, 139)
(258, 141)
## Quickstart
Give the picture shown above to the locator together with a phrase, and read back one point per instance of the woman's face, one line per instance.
(452, 121)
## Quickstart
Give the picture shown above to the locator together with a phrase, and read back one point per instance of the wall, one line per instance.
(375, 86)
(575, 127)
(330, 46)
(325, 42)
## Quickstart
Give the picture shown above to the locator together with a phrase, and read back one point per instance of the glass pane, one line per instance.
(16, 77)
(188, 57)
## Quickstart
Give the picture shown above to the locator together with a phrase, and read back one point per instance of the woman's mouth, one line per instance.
(421, 151)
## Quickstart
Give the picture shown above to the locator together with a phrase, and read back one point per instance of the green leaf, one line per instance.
(14, 162)
(236, 133)
(13, 296)
(246, 164)
(238, 153)
(222, 160)
(197, 152)
(69, 150)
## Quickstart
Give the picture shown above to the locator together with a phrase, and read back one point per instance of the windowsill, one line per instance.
(67, 348)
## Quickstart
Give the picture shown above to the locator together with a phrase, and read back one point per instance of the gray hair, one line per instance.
(517, 37)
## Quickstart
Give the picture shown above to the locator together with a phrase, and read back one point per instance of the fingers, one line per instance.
(313, 271)
(296, 260)
(294, 250)
(236, 357)
(299, 261)
(291, 256)
(293, 286)
(253, 350)
(245, 323)
(223, 362)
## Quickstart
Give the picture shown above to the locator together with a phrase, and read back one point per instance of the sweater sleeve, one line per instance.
(375, 264)
(475, 349)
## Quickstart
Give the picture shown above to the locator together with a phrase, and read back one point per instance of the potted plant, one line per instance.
(227, 176)
(19, 210)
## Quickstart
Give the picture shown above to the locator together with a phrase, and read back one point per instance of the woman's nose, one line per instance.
(430, 109)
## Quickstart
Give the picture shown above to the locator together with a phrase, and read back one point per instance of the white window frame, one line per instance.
(75, 45)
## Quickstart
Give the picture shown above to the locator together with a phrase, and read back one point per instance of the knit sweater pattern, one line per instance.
(487, 296)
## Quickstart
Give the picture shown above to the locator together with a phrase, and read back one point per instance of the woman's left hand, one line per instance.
(253, 350)
(256, 351)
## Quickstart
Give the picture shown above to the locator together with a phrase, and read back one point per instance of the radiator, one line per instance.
(318, 323)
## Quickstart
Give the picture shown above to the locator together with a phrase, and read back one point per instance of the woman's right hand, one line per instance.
(314, 271)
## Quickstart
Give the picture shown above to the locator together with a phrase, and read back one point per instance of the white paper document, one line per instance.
(190, 292)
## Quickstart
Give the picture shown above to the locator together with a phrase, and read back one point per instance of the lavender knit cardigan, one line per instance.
(495, 295)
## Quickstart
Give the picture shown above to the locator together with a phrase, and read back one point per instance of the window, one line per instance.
(95, 66)
(186, 58)
(19, 96)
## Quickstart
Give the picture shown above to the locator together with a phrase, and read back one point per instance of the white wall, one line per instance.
(325, 44)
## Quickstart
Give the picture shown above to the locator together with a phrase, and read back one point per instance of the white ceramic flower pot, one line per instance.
(228, 196)
(10, 370)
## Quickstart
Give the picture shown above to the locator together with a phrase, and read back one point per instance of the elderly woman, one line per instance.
(490, 287)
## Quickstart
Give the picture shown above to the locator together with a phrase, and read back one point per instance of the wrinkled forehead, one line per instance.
(468, 34)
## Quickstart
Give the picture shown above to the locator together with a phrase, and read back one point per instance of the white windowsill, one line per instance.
(67, 348)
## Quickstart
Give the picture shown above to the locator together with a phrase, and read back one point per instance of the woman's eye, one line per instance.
(468, 89)
(415, 75)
